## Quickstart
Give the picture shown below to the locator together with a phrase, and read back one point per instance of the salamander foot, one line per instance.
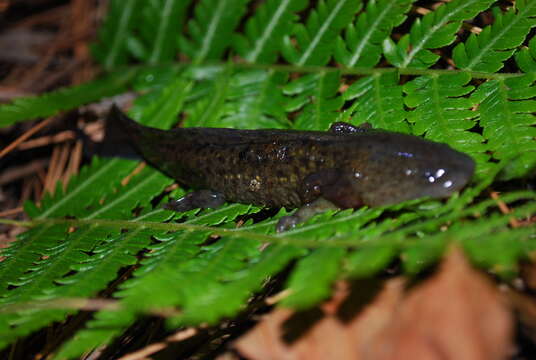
(287, 223)
(196, 199)
(304, 213)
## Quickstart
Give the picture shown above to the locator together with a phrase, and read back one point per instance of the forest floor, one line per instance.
(45, 45)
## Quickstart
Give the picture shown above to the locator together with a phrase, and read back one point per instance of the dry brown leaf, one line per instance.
(324, 334)
(528, 274)
(455, 314)
(525, 310)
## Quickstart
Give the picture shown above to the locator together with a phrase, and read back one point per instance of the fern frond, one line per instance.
(209, 271)
(436, 29)
(138, 192)
(164, 104)
(312, 278)
(232, 297)
(170, 264)
(378, 101)
(346, 223)
(314, 40)
(362, 42)
(60, 257)
(228, 293)
(526, 58)
(81, 199)
(229, 298)
(55, 262)
(83, 191)
(92, 274)
(113, 253)
(506, 114)
(369, 259)
(66, 252)
(29, 108)
(256, 101)
(418, 255)
(244, 100)
(24, 252)
(317, 94)
(443, 113)
(106, 325)
(497, 42)
(212, 28)
(158, 24)
(503, 254)
(207, 111)
(264, 31)
(111, 50)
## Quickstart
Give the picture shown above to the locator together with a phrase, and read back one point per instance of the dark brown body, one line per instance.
(348, 166)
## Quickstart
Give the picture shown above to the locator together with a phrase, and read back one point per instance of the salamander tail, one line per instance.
(120, 135)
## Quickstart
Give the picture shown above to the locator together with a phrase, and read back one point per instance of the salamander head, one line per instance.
(408, 167)
(450, 174)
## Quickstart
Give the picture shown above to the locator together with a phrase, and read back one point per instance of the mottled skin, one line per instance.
(348, 166)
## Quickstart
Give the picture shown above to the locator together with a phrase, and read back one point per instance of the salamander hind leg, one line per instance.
(197, 199)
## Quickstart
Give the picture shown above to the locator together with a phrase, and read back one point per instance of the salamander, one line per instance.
(344, 167)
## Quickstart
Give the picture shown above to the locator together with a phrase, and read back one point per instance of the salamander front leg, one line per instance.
(304, 213)
(197, 199)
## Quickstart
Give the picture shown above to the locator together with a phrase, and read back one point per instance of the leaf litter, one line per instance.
(457, 313)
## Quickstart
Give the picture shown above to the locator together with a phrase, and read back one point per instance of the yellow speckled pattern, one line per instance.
(291, 168)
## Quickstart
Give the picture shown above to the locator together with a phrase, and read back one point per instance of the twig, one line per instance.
(47, 140)
(86, 304)
(38, 187)
(25, 136)
(134, 172)
(10, 92)
(50, 177)
(74, 163)
(17, 172)
(156, 347)
(53, 15)
(27, 186)
(274, 299)
(4, 5)
(504, 209)
(55, 77)
(64, 157)
(81, 29)
(11, 212)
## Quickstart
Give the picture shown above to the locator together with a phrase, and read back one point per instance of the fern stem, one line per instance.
(342, 69)
(26, 224)
(283, 238)
(124, 224)
(120, 35)
(81, 303)
(372, 71)
(268, 30)
(325, 26)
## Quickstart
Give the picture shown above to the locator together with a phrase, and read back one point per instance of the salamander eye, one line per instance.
(440, 178)
(433, 176)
